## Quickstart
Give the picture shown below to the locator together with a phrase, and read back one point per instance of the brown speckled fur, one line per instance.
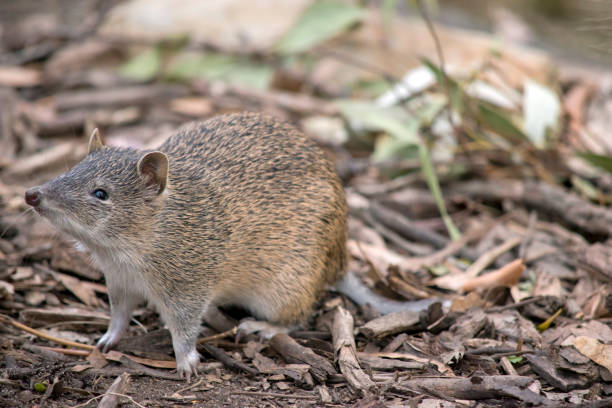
(253, 214)
(270, 202)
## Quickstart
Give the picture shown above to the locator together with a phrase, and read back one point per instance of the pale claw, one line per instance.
(108, 341)
(187, 364)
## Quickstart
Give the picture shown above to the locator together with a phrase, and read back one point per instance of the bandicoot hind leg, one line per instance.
(184, 326)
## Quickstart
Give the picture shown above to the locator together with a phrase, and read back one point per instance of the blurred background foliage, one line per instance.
(485, 102)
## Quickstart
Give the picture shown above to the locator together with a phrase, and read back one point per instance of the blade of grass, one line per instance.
(434, 186)
(601, 161)
(499, 122)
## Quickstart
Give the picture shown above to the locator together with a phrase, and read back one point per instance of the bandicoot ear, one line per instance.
(153, 169)
(95, 142)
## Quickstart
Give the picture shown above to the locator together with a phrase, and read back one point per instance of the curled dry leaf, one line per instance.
(508, 275)
(599, 353)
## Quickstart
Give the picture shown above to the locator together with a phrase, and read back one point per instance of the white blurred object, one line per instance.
(488, 93)
(541, 108)
(510, 27)
(415, 81)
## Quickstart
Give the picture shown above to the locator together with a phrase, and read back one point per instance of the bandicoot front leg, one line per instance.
(122, 304)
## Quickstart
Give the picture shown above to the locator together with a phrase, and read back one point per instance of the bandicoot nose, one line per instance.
(33, 197)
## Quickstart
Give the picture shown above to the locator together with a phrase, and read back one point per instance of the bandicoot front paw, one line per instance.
(187, 364)
(109, 340)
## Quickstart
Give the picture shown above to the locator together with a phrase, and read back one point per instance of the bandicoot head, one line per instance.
(104, 200)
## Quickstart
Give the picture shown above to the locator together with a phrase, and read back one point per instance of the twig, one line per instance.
(507, 275)
(109, 393)
(350, 59)
(533, 219)
(553, 201)
(346, 353)
(223, 357)
(416, 263)
(293, 352)
(227, 333)
(488, 257)
(436, 39)
(118, 387)
(67, 352)
(397, 239)
(14, 323)
(512, 353)
(275, 395)
(514, 305)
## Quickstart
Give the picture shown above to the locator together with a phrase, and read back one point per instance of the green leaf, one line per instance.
(388, 8)
(515, 359)
(444, 81)
(40, 387)
(144, 66)
(439, 270)
(370, 88)
(368, 115)
(388, 147)
(498, 122)
(434, 187)
(221, 67)
(319, 22)
(598, 160)
(585, 187)
(541, 108)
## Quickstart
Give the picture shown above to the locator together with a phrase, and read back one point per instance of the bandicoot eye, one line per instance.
(100, 194)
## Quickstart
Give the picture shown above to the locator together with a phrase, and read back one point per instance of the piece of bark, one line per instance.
(148, 371)
(297, 372)
(46, 353)
(8, 116)
(440, 366)
(119, 386)
(545, 368)
(597, 258)
(122, 96)
(474, 388)
(223, 357)
(407, 290)
(398, 240)
(507, 366)
(49, 122)
(324, 394)
(78, 56)
(293, 352)
(14, 77)
(63, 154)
(548, 199)
(50, 315)
(403, 225)
(346, 354)
(395, 343)
(295, 102)
(389, 324)
(378, 363)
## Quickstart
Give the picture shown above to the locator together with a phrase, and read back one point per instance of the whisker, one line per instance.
(12, 224)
